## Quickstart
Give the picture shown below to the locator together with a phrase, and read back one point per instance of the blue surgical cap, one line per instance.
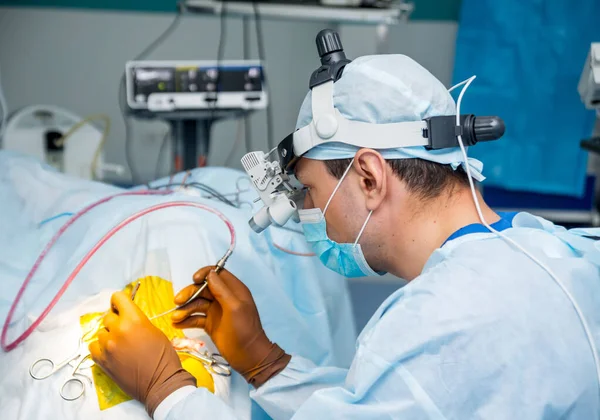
(383, 89)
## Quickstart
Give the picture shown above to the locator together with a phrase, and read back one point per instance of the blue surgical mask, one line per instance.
(345, 259)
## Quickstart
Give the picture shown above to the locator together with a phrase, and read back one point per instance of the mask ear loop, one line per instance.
(337, 187)
(363, 228)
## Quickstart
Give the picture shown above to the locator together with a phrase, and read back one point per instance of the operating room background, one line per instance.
(74, 59)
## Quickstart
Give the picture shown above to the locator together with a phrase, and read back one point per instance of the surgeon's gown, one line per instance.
(482, 333)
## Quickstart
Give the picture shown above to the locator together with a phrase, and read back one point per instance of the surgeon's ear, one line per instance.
(372, 170)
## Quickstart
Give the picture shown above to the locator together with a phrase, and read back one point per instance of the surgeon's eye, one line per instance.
(308, 202)
(299, 193)
(306, 191)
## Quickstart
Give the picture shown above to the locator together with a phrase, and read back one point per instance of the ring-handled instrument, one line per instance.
(44, 368)
(214, 363)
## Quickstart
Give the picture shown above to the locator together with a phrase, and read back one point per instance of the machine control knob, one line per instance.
(328, 41)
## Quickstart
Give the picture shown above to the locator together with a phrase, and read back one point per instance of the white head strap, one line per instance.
(329, 125)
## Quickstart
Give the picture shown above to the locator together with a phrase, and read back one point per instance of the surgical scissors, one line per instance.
(44, 368)
(215, 363)
(81, 355)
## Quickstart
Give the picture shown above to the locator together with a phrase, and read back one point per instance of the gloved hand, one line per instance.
(232, 321)
(137, 355)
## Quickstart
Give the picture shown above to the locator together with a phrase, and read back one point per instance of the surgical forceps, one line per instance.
(100, 318)
(215, 363)
(218, 268)
(75, 360)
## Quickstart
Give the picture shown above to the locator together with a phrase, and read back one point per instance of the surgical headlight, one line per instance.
(280, 192)
(272, 174)
(279, 212)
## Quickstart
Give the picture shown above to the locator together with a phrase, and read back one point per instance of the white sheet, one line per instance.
(304, 307)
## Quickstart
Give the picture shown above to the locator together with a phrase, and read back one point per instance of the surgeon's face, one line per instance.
(343, 219)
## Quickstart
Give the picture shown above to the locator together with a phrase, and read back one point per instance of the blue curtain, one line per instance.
(528, 56)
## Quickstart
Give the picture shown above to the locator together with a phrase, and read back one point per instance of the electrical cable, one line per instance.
(87, 120)
(10, 346)
(215, 98)
(246, 118)
(220, 54)
(161, 151)
(247, 133)
(185, 177)
(246, 47)
(289, 251)
(238, 203)
(201, 187)
(122, 84)
(263, 58)
(42, 256)
(238, 139)
(210, 190)
(295, 253)
(513, 243)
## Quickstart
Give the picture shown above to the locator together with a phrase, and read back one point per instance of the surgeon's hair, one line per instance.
(422, 177)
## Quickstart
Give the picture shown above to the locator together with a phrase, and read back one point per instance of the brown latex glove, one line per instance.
(137, 355)
(231, 319)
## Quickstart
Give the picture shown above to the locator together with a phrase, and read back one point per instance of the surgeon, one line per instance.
(500, 324)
